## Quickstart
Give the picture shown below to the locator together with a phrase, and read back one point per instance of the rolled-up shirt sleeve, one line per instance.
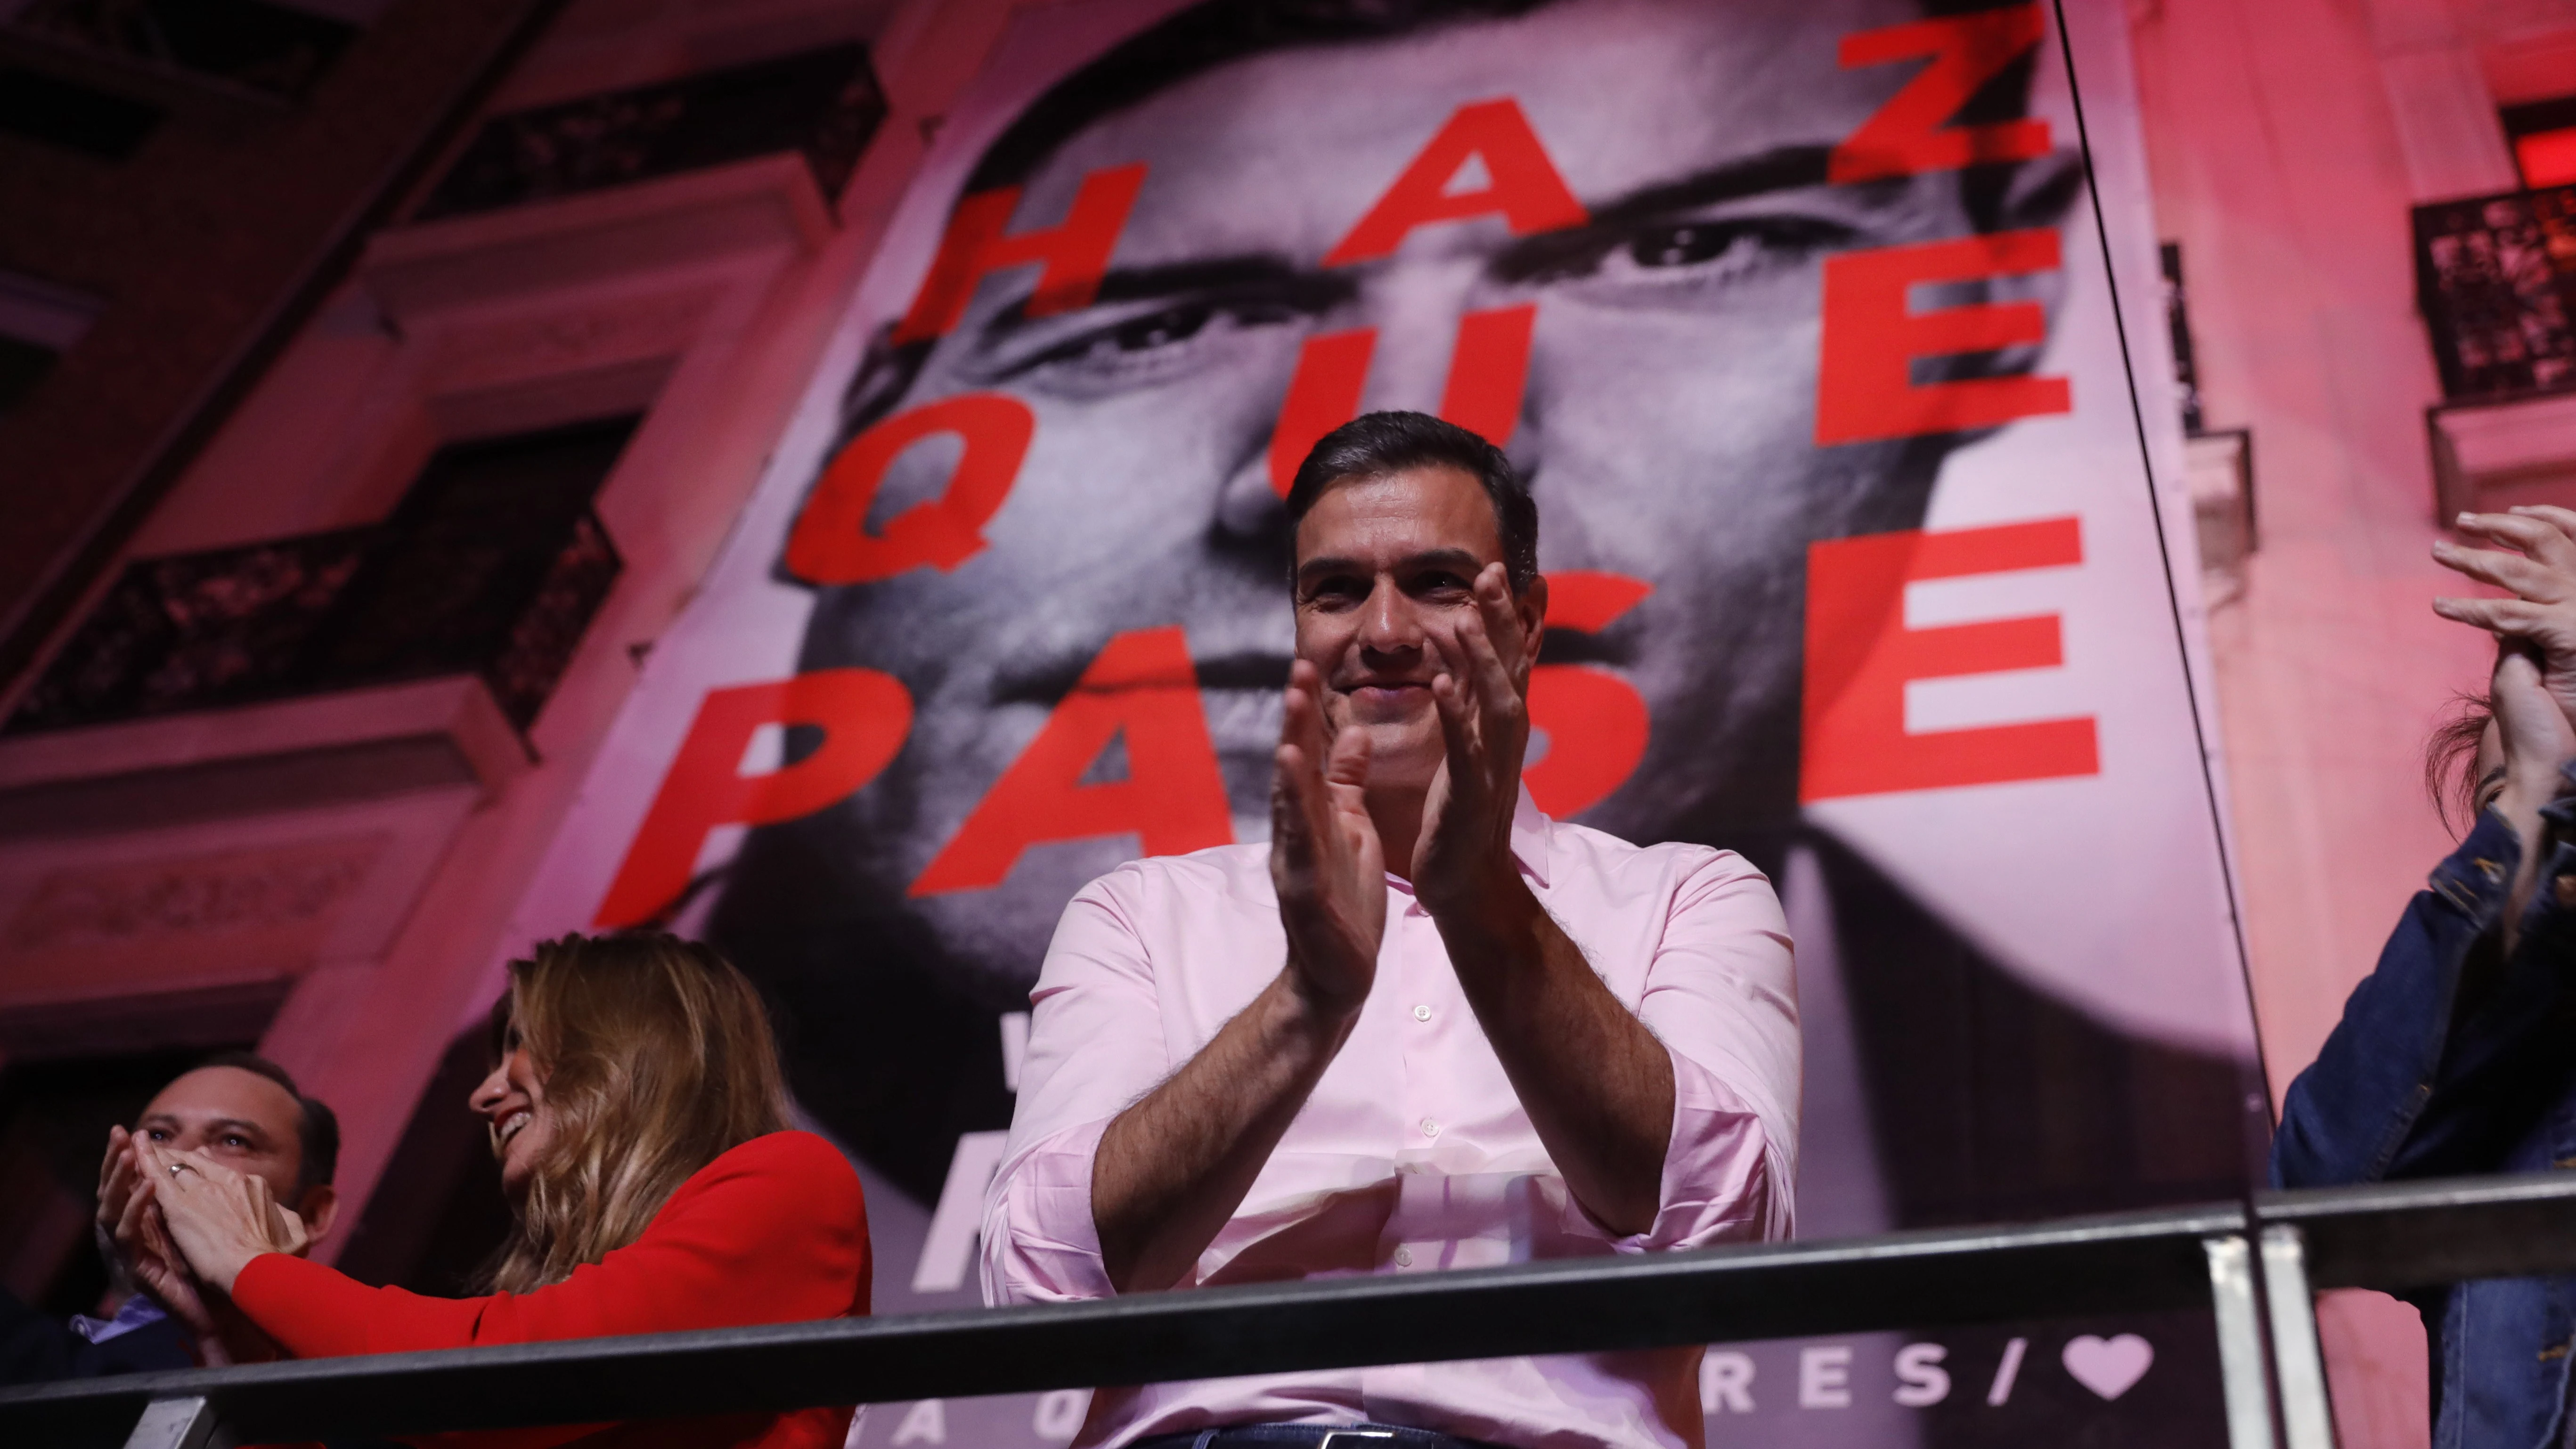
(1096, 1044)
(1722, 995)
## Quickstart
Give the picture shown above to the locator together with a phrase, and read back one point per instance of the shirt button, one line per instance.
(1423, 1013)
(1430, 1128)
(1404, 1257)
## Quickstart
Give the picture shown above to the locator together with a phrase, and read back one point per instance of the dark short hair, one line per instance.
(1374, 445)
(317, 1128)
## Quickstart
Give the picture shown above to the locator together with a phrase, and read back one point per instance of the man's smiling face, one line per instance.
(1668, 420)
(241, 1119)
(1386, 567)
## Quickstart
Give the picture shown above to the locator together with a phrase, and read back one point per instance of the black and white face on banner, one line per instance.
(1628, 297)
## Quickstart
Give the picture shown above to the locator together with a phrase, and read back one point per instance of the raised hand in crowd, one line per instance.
(2444, 1061)
(1596, 1083)
(172, 1239)
(2532, 695)
(2533, 556)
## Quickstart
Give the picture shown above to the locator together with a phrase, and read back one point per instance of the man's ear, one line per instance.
(319, 1208)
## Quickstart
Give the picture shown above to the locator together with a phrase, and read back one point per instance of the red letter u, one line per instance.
(1487, 371)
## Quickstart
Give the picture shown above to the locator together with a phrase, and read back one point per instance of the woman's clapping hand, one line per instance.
(216, 1219)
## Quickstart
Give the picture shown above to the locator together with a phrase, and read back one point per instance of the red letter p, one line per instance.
(864, 716)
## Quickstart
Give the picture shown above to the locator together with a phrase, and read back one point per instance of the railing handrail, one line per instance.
(1924, 1279)
(2400, 1235)
(2130, 1260)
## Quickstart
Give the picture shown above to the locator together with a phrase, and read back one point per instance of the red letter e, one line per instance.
(1860, 657)
(1865, 388)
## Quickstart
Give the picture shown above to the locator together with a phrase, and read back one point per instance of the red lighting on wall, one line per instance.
(2546, 158)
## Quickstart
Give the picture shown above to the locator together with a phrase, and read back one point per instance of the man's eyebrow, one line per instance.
(217, 1124)
(1782, 168)
(1455, 558)
(1248, 271)
(1268, 274)
(1255, 274)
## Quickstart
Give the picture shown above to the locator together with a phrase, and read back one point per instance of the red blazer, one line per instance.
(774, 1231)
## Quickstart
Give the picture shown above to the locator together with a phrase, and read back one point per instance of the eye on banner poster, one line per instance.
(1804, 318)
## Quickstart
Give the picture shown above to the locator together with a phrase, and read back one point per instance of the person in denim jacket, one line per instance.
(2457, 1054)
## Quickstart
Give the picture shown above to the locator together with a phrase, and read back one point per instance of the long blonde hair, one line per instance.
(656, 1057)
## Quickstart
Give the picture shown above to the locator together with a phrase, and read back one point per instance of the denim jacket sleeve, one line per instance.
(2417, 1081)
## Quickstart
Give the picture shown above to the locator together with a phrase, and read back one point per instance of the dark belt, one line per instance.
(1309, 1436)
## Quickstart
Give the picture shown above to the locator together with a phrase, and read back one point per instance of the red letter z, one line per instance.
(1911, 133)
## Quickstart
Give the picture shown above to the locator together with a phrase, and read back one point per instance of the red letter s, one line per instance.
(1596, 722)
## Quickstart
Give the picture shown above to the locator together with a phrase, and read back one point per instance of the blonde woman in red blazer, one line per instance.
(640, 1122)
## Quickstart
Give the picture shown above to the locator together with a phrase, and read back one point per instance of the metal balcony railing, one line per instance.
(2255, 1264)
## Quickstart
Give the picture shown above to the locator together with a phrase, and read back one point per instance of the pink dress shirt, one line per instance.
(1413, 1153)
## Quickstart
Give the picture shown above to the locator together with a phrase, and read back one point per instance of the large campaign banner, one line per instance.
(1820, 326)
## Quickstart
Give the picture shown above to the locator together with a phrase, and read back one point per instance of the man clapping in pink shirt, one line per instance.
(1425, 1027)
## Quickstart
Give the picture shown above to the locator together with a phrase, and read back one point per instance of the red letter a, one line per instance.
(1141, 685)
(864, 716)
(1521, 183)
